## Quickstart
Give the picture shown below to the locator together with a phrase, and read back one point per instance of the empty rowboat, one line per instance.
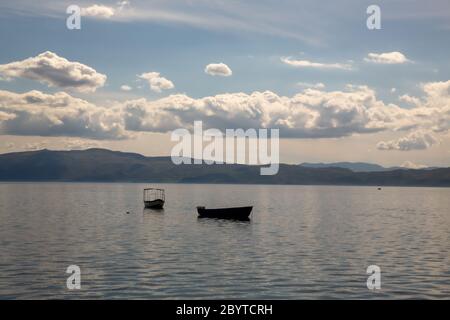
(154, 198)
(237, 213)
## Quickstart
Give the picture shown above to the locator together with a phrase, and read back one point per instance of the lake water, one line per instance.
(303, 242)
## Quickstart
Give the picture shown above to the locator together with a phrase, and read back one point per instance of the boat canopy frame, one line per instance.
(152, 194)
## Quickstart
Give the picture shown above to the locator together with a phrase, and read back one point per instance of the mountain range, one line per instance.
(101, 165)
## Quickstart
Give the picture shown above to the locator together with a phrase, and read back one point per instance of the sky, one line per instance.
(137, 70)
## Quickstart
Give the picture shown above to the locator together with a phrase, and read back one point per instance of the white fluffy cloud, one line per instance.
(410, 100)
(38, 114)
(438, 94)
(311, 113)
(55, 71)
(318, 65)
(394, 57)
(433, 112)
(125, 88)
(218, 69)
(98, 11)
(156, 82)
(414, 141)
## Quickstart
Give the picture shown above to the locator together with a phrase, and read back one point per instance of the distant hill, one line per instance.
(354, 166)
(102, 165)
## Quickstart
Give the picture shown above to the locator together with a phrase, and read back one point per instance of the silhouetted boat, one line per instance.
(238, 213)
(154, 198)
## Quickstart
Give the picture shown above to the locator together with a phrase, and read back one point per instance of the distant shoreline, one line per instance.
(105, 166)
(215, 183)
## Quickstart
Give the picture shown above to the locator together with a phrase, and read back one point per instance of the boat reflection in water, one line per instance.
(237, 213)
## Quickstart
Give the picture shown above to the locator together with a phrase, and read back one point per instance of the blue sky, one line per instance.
(179, 38)
(181, 50)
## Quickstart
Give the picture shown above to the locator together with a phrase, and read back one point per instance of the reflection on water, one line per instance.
(153, 210)
(233, 220)
(302, 242)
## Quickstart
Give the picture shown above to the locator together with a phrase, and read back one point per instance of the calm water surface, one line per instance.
(303, 242)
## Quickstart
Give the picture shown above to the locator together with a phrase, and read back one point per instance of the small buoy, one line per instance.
(128, 212)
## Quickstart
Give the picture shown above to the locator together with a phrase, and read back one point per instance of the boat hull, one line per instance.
(238, 213)
(154, 204)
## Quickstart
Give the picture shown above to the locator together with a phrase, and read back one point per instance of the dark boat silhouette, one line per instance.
(237, 213)
(154, 198)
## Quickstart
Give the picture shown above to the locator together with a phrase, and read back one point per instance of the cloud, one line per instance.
(394, 57)
(55, 71)
(309, 114)
(106, 12)
(318, 65)
(410, 100)
(4, 116)
(434, 109)
(125, 88)
(312, 113)
(156, 82)
(218, 69)
(318, 85)
(438, 94)
(98, 11)
(39, 114)
(412, 165)
(414, 141)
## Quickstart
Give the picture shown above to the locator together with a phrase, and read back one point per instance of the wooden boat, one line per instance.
(238, 213)
(154, 198)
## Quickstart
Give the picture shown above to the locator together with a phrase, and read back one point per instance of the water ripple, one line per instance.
(302, 243)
